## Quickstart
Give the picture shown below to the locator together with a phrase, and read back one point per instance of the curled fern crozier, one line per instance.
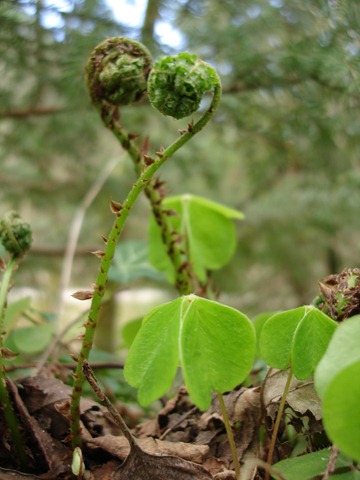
(117, 71)
(177, 84)
(15, 234)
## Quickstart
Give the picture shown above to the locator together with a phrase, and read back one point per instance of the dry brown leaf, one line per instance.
(302, 396)
(50, 455)
(104, 471)
(119, 447)
(140, 465)
(42, 391)
(14, 475)
(215, 465)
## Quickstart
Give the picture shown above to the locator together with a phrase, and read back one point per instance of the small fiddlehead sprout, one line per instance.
(15, 234)
(117, 71)
(177, 84)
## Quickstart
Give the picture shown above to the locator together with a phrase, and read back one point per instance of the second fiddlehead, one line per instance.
(177, 84)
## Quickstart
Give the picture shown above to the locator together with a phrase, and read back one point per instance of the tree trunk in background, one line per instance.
(148, 29)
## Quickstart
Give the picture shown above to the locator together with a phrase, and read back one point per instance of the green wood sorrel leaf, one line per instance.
(209, 231)
(214, 344)
(258, 322)
(297, 337)
(313, 465)
(337, 381)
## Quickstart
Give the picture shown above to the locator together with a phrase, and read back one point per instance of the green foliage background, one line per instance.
(283, 148)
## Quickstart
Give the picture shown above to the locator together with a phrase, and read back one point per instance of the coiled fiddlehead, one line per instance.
(177, 84)
(117, 71)
(15, 234)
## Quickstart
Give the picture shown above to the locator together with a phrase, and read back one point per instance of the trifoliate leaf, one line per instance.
(214, 344)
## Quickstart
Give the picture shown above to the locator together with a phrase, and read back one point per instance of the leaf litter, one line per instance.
(181, 443)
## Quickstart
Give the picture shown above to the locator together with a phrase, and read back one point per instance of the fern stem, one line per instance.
(5, 401)
(108, 254)
(183, 280)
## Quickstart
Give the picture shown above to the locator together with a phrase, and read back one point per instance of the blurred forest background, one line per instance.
(284, 146)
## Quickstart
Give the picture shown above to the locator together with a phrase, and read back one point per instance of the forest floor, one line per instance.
(180, 443)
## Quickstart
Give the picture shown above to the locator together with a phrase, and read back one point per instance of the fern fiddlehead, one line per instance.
(117, 71)
(177, 84)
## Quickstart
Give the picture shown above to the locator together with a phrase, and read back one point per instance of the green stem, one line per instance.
(108, 254)
(110, 116)
(230, 436)
(9, 413)
(277, 423)
(183, 276)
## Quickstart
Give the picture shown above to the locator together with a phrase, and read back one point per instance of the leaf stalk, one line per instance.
(277, 423)
(230, 435)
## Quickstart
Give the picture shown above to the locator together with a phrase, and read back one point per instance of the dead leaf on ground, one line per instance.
(302, 396)
(42, 391)
(140, 464)
(144, 466)
(207, 428)
(119, 447)
(14, 475)
(244, 409)
(49, 455)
